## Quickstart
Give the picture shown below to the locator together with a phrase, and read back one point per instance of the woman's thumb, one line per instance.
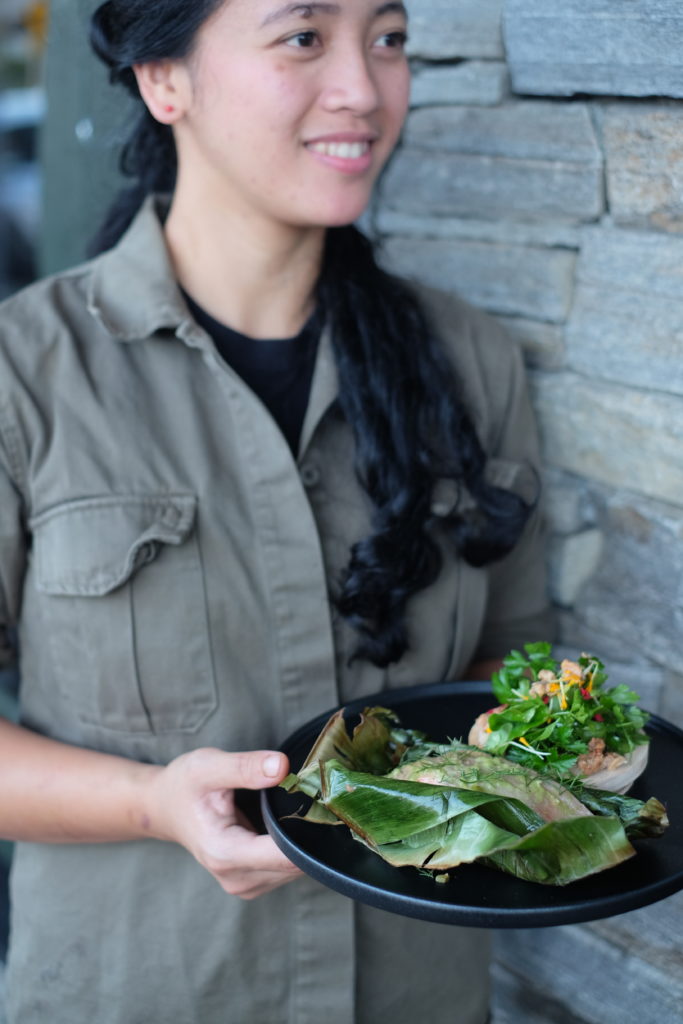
(257, 769)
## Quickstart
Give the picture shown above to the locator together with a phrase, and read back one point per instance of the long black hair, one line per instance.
(396, 388)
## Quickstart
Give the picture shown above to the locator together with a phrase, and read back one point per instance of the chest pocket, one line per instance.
(119, 585)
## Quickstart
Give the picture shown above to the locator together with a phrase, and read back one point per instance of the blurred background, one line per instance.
(23, 32)
(23, 27)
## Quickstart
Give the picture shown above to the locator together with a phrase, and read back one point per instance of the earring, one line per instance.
(169, 109)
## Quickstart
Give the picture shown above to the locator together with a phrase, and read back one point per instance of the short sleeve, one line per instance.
(518, 609)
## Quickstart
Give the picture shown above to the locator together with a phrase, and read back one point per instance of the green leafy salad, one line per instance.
(560, 717)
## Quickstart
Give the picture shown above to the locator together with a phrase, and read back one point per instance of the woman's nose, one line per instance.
(350, 84)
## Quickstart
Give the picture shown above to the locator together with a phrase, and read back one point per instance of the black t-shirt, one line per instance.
(279, 371)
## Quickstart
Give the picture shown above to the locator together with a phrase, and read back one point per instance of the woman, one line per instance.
(244, 476)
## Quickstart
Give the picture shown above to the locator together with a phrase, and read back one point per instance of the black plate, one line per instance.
(475, 895)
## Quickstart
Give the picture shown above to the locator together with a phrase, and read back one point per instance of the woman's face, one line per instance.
(291, 110)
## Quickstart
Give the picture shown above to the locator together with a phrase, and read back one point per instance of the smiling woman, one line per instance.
(267, 102)
(245, 475)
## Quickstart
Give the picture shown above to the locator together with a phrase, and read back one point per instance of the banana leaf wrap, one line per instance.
(436, 806)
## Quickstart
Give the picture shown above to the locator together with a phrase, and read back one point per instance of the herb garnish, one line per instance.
(551, 711)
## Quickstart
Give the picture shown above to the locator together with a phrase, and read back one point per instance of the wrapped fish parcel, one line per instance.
(435, 806)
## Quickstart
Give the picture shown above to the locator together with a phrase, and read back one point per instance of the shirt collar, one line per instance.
(324, 389)
(133, 291)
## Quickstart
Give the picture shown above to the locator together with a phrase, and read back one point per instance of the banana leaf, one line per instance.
(434, 807)
(564, 851)
(383, 810)
(377, 744)
(647, 820)
(421, 825)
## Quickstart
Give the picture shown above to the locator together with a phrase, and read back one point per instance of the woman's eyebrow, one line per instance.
(393, 7)
(308, 10)
(303, 10)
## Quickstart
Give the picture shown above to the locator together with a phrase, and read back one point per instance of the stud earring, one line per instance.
(169, 109)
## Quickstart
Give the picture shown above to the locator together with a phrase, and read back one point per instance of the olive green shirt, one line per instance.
(169, 567)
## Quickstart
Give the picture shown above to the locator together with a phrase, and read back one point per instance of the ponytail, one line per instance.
(411, 429)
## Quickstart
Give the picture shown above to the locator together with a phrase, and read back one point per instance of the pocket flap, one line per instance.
(92, 546)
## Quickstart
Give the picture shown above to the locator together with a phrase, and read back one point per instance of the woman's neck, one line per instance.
(257, 278)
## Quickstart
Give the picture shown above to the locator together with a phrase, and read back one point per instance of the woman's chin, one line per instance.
(341, 217)
(337, 212)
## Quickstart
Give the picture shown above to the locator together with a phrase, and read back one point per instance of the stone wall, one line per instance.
(541, 176)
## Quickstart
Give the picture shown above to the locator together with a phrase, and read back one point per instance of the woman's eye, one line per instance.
(393, 40)
(303, 40)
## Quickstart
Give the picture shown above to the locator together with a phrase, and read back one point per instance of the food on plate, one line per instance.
(434, 806)
(560, 718)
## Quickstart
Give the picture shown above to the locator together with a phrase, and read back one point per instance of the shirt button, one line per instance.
(310, 475)
(171, 515)
(145, 553)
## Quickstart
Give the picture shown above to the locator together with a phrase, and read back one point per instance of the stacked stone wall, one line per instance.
(541, 176)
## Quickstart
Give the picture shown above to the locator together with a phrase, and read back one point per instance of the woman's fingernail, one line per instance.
(272, 766)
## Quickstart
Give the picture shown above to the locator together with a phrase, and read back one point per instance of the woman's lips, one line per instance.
(350, 157)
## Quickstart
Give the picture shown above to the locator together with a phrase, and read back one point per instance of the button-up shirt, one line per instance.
(170, 566)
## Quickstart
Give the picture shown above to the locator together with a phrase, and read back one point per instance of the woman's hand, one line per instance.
(193, 804)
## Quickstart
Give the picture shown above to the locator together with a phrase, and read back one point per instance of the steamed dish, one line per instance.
(435, 806)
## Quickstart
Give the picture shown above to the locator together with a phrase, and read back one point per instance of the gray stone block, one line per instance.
(529, 130)
(573, 561)
(469, 28)
(551, 234)
(671, 706)
(515, 1002)
(579, 635)
(477, 82)
(516, 162)
(564, 47)
(636, 596)
(508, 280)
(653, 932)
(600, 983)
(635, 261)
(482, 186)
(618, 436)
(627, 319)
(644, 160)
(567, 504)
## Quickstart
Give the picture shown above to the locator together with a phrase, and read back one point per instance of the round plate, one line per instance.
(475, 895)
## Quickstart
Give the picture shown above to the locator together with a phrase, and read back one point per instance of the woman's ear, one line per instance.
(162, 87)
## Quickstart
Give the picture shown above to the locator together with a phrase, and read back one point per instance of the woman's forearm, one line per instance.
(52, 792)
